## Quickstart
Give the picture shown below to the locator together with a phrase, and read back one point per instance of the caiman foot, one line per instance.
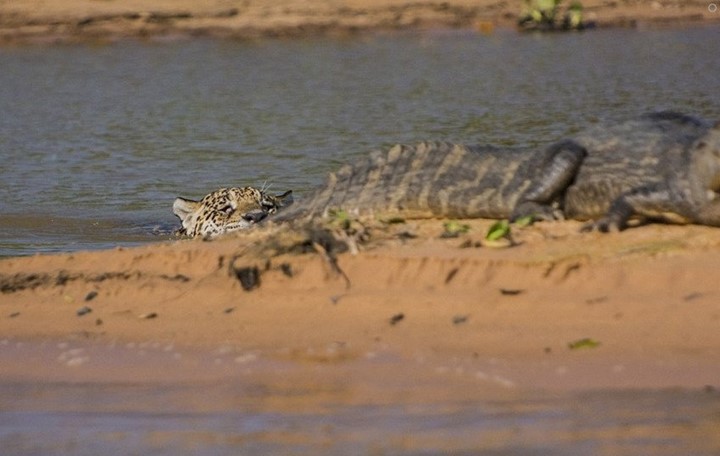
(603, 225)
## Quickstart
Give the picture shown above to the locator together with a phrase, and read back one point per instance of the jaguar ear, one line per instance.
(285, 199)
(184, 209)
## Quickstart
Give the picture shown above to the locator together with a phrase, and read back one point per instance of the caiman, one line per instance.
(662, 166)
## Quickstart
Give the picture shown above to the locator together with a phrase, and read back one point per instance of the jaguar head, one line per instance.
(226, 210)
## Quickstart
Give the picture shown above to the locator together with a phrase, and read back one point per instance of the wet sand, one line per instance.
(43, 21)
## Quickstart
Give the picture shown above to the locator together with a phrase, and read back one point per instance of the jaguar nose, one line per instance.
(254, 216)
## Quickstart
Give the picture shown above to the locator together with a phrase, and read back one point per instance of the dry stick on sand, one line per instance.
(332, 261)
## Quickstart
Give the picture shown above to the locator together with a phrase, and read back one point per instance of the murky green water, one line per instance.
(95, 142)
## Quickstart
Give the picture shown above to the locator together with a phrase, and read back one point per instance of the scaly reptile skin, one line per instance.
(662, 166)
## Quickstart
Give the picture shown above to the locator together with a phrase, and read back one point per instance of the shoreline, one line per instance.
(92, 21)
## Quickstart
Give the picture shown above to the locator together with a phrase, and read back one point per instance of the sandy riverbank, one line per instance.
(648, 296)
(45, 21)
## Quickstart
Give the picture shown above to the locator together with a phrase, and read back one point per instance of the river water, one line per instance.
(97, 141)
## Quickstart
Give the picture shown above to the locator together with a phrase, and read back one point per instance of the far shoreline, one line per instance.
(33, 22)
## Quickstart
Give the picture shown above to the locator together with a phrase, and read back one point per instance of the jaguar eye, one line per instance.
(227, 210)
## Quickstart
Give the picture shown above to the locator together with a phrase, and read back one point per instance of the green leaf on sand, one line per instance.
(498, 230)
(522, 222)
(454, 228)
(340, 218)
(583, 343)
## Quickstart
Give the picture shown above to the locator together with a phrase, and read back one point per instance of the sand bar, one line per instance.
(646, 300)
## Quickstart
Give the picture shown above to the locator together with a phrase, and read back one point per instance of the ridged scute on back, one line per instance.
(429, 179)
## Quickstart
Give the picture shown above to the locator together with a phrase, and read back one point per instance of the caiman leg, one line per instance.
(653, 201)
(561, 164)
